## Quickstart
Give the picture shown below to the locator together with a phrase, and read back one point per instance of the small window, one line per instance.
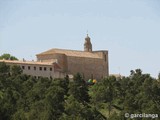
(29, 67)
(23, 67)
(45, 68)
(40, 68)
(34, 68)
(50, 69)
(105, 57)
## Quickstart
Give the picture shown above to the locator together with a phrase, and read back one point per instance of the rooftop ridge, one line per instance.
(67, 52)
(27, 62)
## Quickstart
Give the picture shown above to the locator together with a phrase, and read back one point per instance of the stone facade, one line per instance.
(56, 63)
(38, 69)
(91, 64)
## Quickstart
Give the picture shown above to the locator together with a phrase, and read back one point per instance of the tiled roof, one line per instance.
(27, 62)
(56, 66)
(71, 53)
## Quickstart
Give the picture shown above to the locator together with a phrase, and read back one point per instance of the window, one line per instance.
(105, 57)
(34, 68)
(45, 68)
(23, 67)
(40, 68)
(29, 67)
(50, 69)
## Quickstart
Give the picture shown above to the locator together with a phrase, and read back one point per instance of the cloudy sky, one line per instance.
(128, 29)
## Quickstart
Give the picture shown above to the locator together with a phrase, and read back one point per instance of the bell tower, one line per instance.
(87, 44)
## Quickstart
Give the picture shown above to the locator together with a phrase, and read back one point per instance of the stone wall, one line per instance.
(61, 59)
(89, 67)
(34, 70)
(95, 68)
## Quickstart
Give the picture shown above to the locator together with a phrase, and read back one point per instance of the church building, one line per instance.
(57, 63)
(90, 64)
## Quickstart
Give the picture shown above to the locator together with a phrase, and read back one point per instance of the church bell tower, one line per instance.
(87, 44)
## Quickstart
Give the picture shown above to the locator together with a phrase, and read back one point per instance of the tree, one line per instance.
(4, 69)
(15, 70)
(79, 89)
(74, 110)
(104, 92)
(64, 83)
(25, 97)
(7, 56)
(54, 102)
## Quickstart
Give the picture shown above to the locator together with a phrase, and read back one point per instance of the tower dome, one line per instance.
(87, 44)
(87, 37)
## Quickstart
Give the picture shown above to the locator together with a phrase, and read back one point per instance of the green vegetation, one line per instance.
(136, 94)
(7, 56)
(23, 97)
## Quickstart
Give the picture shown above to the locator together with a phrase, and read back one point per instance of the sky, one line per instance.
(128, 29)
